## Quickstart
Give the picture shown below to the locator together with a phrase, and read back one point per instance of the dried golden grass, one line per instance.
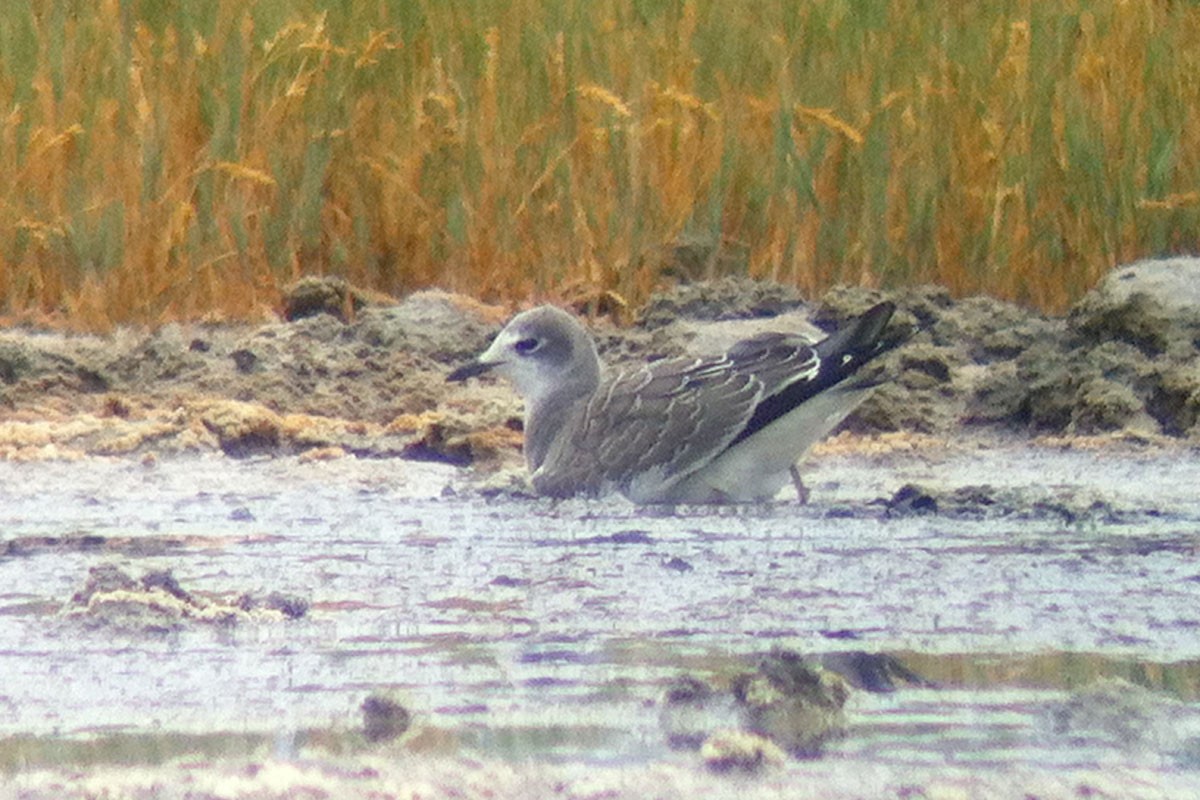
(190, 160)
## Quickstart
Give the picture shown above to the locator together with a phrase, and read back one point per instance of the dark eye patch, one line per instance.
(526, 346)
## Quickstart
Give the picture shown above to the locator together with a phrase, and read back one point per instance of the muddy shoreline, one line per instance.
(1124, 363)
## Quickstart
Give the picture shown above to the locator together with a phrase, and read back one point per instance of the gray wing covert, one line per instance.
(664, 420)
(777, 359)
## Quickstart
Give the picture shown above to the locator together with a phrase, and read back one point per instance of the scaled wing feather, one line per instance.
(665, 420)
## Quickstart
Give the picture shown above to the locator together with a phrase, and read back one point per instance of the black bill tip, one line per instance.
(468, 371)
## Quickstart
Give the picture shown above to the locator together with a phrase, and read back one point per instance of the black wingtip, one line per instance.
(860, 338)
(471, 370)
(869, 326)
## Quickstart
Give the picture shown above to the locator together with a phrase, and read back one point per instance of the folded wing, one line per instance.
(646, 429)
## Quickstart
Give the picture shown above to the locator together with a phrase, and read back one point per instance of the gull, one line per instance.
(718, 429)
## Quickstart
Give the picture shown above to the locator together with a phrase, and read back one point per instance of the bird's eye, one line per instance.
(526, 346)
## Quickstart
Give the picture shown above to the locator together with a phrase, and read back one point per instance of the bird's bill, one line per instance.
(475, 368)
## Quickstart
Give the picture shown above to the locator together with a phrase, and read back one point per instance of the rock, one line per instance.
(1172, 283)
(1153, 305)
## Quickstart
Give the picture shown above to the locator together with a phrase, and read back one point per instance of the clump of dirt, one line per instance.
(384, 718)
(155, 602)
(1126, 357)
(327, 294)
(793, 702)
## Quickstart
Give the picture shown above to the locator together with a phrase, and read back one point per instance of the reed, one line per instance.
(187, 160)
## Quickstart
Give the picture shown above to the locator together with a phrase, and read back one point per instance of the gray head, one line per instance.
(545, 352)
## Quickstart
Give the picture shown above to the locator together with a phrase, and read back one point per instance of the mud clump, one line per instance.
(384, 718)
(322, 294)
(792, 702)
(155, 602)
(1127, 358)
(243, 429)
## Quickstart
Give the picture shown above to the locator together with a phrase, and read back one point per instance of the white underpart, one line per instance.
(758, 467)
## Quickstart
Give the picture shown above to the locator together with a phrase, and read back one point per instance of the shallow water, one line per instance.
(526, 629)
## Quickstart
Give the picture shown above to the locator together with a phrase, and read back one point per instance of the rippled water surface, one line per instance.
(533, 629)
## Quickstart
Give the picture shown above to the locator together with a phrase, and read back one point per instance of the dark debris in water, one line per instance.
(141, 546)
(290, 605)
(619, 537)
(95, 543)
(873, 672)
(384, 718)
(988, 502)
